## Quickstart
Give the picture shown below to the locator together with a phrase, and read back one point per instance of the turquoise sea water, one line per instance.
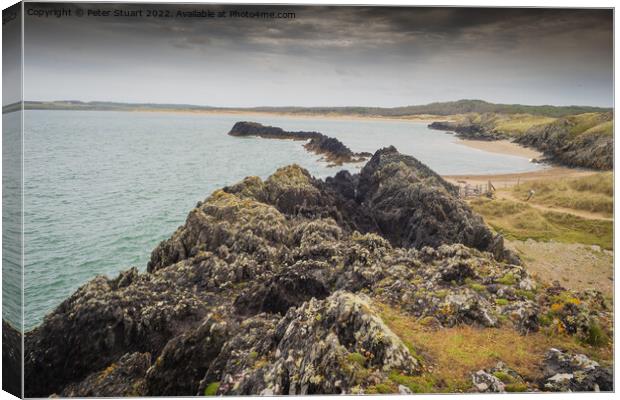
(103, 188)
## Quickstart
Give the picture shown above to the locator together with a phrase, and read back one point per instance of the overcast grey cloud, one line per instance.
(325, 56)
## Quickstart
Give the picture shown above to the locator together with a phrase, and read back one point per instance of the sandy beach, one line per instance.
(414, 118)
(502, 147)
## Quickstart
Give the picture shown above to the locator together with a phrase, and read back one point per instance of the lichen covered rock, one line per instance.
(268, 288)
(575, 373)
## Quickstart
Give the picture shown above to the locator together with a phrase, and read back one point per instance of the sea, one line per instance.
(103, 188)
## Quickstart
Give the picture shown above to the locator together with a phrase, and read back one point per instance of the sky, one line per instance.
(325, 56)
(11, 56)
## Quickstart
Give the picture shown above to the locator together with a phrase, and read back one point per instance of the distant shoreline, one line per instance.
(333, 116)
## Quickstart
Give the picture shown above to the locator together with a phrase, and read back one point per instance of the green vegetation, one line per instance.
(596, 335)
(590, 122)
(506, 124)
(357, 358)
(516, 387)
(504, 377)
(424, 383)
(502, 302)
(593, 193)
(211, 389)
(508, 279)
(382, 388)
(443, 108)
(519, 123)
(521, 221)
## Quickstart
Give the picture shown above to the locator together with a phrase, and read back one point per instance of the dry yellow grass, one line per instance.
(592, 193)
(521, 221)
(519, 123)
(451, 355)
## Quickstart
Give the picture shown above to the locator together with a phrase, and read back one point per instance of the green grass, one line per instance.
(521, 222)
(590, 122)
(211, 389)
(508, 279)
(518, 124)
(501, 302)
(424, 383)
(605, 128)
(593, 193)
(357, 358)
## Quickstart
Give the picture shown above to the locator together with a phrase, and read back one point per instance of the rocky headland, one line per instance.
(583, 140)
(276, 286)
(333, 150)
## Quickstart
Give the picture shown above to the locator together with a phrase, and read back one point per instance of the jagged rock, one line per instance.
(317, 348)
(11, 359)
(333, 149)
(185, 359)
(124, 378)
(415, 207)
(101, 322)
(485, 382)
(509, 380)
(260, 291)
(468, 129)
(575, 373)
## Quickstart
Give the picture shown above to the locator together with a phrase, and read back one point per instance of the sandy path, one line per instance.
(507, 195)
(575, 266)
(507, 180)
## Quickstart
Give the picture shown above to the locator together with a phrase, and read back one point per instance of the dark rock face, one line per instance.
(415, 207)
(124, 378)
(11, 359)
(334, 151)
(184, 360)
(467, 130)
(575, 372)
(244, 128)
(270, 288)
(102, 321)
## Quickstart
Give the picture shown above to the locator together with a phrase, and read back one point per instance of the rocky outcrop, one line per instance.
(124, 378)
(333, 150)
(562, 143)
(467, 129)
(11, 359)
(584, 140)
(318, 348)
(271, 287)
(575, 373)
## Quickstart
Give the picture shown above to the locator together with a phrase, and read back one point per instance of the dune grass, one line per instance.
(591, 123)
(451, 355)
(592, 193)
(520, 221)
(518, 124)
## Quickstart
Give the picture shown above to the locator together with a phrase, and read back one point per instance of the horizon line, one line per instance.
(612, 107)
